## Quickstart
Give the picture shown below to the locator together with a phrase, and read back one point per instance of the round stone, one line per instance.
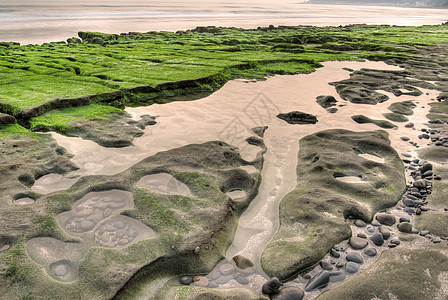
(421, 183)
(351, 267)
(243, 262)
(370, 252)
(186, 280)
(355, 257)
(271, 286)
(377, 239)
(325, 265)
(385, 232)
(426, 167)
(386, 219)
(358, 243)
(360, 223)
(405, 227)
(335, 253)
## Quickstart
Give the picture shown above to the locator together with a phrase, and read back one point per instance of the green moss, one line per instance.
(60, 119)
(13, 129)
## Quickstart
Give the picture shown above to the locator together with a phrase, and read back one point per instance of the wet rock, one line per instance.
(319, 281)
(297, 117)
(289, 293)
(354, 257)
(421, 183)
(405, 227)
(351, 267)
(336, 276)
(370, 252)
(243, 262)
(326, 101)
(326, 265)
(272, 286)
(335, 253)
(186, 280)
(386, 219)
(377, 239)
(360, 223)
(385, 232)
(426, 167)
(358, 243)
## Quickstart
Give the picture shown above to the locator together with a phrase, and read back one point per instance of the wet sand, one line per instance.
(27, 21)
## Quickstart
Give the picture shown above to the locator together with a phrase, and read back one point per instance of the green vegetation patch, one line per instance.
(59, 119)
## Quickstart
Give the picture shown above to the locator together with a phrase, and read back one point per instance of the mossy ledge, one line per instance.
(312, 216)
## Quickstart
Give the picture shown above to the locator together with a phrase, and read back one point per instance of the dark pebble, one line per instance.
(408, 202)
(395, 242)
(426, 167)
(385, 232)
(377, 239)
(340, 265)
(405, 219)
(335, 253)
(409, 210)
(242, 280)
(360, 223)
(186, 280)
(351, 267)
(271, 286)
(355, 257)
(326, 265)
(370, 229)
(361, 235)
(405, 227)
(424, 232)
(370, 252)
(386, 219)
(358, 243)
(319, 281)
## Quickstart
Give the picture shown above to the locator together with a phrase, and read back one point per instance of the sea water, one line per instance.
(34, 21)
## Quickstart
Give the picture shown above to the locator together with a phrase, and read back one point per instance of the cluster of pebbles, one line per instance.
(89, 213)
(115, 233)
(349, 257)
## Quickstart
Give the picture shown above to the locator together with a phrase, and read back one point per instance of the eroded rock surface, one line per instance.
(312, 216)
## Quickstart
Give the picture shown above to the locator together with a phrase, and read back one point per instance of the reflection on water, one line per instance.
(28, 21)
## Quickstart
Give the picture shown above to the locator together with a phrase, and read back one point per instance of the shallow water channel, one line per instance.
(228, 115)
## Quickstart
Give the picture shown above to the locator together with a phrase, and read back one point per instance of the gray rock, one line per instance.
(289, 293)
(351, 267)
(186, 280)
(385, 232)
(355, 257)
(426, 167)
(360, 223)
(377, 239)
(298, 117)
(335, 253)
(319, 281)
(325, 265)
(361, 235)
(405, 227)
(358, 243)
(386, 219)
(272, 286)
(336, 276)
(370, 252)
(421, 183)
